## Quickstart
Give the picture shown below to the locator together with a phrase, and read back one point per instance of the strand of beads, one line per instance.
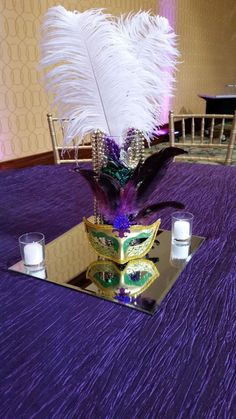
(99, 159)
(98, 150)
(135, 147)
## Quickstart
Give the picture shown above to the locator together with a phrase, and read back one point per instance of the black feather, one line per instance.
(152, 171)
(150, 212)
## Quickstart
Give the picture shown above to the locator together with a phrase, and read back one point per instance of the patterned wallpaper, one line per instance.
(207, 43)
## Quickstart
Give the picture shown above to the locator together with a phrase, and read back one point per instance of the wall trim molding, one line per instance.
(34, 160)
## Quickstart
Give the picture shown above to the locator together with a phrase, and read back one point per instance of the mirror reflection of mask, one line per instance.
(136, 277)
(121, 250)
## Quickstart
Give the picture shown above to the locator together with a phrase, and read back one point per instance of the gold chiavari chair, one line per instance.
(207, 137)
(72, 153)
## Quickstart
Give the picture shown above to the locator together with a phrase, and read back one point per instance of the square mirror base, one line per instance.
(69, 255)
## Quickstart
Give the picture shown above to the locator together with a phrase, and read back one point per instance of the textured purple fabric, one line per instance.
(68, 355)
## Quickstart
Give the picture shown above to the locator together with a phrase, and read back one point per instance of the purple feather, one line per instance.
(128, 197)
(101, 196)
(111, 188)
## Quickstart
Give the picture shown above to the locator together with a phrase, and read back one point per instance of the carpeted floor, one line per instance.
(197, 151)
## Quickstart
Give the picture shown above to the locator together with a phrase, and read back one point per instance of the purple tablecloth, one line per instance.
(65, 354)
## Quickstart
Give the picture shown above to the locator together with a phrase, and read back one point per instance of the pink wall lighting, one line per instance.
(167, 8)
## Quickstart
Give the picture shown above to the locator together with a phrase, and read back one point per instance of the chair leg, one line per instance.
(229, 155)
(231, 144)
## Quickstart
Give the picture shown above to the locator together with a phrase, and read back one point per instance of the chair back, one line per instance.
(70, 154)
(206, 132)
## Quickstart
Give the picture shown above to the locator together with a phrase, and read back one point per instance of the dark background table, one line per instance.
(220, 104)
(65, 354)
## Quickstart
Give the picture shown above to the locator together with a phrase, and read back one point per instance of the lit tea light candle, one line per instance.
(181, 230)
(33, 254)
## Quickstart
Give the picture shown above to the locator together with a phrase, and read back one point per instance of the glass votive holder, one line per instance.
(32, 248)
(180, 252)
(181, 233)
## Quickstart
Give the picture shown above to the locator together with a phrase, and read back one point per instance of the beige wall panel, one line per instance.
(207, 41)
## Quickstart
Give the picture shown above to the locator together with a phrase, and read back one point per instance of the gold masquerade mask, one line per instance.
(135, 245)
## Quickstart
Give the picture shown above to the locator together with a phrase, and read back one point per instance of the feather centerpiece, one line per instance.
(106, 73)
(109, 77)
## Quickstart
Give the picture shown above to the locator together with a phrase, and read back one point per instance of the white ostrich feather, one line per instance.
(153, 43)
(105, 74)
